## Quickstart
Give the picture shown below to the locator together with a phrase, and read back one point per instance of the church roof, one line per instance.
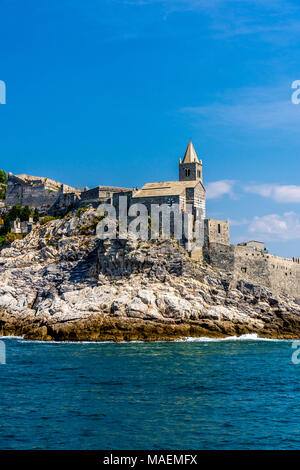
(165, 188)
(190, 154)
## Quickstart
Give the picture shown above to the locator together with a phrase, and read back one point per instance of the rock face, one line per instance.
(61, 283)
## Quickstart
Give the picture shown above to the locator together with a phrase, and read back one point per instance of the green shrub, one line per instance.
(36, 215)
(11, 237)
(47, 219)
(80, 210)
(3, 177)
(2, 238)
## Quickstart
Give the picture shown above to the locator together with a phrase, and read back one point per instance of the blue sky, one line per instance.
(111, 91)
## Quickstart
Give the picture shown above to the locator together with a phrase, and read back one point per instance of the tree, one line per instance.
(14, 212)
(3, 184)
(25, 213)
(3, 177)
(36, 215)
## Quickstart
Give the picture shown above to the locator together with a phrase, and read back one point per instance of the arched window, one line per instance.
(187, 172)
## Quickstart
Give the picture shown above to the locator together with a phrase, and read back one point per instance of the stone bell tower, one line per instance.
(190, 169)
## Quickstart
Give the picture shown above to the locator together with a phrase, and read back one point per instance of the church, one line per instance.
(189, 189)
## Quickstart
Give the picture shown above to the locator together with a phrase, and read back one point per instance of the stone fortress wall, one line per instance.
(52, 197)
(256, 267)
(33, 191)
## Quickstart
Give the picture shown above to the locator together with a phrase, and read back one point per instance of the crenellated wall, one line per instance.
(278, 274)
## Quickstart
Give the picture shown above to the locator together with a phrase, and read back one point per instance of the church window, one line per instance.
(187, 172)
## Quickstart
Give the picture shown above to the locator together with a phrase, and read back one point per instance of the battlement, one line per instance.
(254, 266)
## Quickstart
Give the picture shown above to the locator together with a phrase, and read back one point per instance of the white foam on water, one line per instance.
(189, 339)
(11, 337)
(246, 337)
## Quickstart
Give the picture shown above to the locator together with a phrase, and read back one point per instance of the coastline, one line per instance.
(188, 339)
(119, 331)
(61, 285)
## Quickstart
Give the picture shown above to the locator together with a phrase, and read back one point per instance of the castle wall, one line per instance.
(101, 195)
(32, 195)
(278, 274)
(33, 191)
(65, 201)
(219, 256)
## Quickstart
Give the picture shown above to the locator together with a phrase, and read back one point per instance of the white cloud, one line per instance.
(275, 114)
(219, 188)
(279, 193)
(275, 227)
(236, 223)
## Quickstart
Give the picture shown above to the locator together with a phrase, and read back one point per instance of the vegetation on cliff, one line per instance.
(3, 184)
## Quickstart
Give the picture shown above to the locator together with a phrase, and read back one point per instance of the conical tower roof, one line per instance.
(190, 154)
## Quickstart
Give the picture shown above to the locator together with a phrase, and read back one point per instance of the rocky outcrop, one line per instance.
(61, 283)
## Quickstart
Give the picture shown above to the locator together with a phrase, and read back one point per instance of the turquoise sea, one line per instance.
(205, 394)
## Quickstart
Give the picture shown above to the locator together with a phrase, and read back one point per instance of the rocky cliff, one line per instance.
(61, 283)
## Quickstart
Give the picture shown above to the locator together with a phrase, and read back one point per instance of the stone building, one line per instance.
(33, 191)
(52, 197)
(24, 227)
(95, 196)
(254, 244)
(216, 231)
(101, 194)
(189, 194)
(188, 190)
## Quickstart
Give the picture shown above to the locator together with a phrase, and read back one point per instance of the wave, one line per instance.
(11, 337)
(246, 337)
(189, 339)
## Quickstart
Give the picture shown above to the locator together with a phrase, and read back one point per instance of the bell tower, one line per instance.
(190, 169)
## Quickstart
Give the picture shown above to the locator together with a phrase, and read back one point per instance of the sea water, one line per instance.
(198, 394)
